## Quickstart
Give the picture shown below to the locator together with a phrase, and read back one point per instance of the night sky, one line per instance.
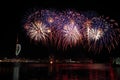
(12, 17)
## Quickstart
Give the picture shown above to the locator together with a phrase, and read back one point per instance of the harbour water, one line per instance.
(37, 71)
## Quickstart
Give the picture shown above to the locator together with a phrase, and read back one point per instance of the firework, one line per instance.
(101, 34)
(67, 29)
(38, 31)
(71, 35)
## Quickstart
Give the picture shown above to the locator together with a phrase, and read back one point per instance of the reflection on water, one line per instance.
(28, 71)
(16, 71)
(117, 71)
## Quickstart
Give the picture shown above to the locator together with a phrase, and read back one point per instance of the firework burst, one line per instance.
(38, 31)
(70, 35)
(101, 34)
(68, 31)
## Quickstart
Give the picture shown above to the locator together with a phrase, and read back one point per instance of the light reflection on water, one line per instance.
(24, 71)
(16, 71)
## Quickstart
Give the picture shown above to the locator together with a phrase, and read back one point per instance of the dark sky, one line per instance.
(12, 15)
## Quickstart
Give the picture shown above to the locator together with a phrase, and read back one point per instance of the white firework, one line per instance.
(94, 34)
(38, 31)
(71, 35)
